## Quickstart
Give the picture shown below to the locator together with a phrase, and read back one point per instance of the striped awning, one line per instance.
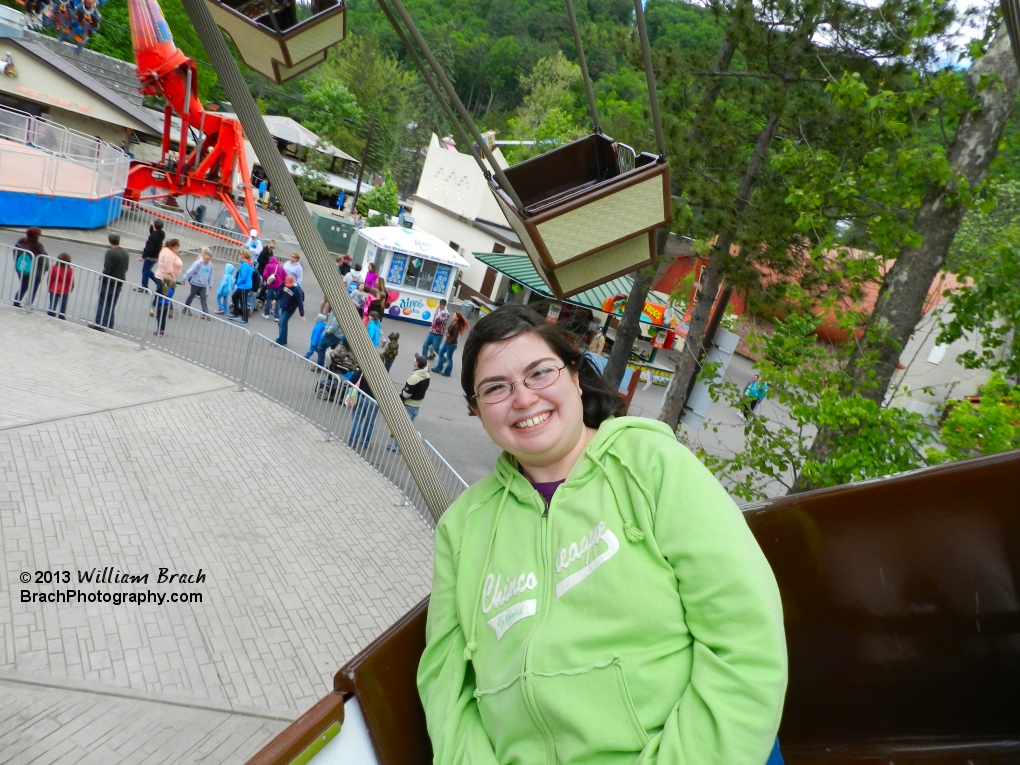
(519, 268)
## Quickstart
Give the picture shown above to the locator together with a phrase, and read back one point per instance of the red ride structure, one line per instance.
(207, 169)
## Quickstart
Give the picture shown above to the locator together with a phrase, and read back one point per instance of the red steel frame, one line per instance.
(207, 169)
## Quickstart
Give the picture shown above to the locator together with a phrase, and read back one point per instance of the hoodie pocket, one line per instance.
(590, 711)
(506, 720)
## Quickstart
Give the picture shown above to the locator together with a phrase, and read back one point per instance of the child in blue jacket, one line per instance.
(317, 330)
(225, 289)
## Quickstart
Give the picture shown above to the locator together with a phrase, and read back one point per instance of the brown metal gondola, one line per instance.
(585, 212)
(280, 39)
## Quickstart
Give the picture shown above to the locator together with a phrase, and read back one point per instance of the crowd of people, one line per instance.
(259, 279)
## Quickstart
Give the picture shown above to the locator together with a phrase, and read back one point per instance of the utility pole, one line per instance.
(364, 161)
(412, 448)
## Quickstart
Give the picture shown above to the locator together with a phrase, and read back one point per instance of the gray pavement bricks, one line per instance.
(308, 554)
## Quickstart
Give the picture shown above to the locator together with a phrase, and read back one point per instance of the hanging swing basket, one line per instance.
(590, 210)
(280, 40)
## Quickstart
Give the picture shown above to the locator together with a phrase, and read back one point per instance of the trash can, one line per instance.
(199, 214)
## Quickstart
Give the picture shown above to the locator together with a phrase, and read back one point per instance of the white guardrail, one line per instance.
(330, 402)
(70, 163)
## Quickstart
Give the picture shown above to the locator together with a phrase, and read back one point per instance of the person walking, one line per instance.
(434, 339)
(598, 343)
(374, 328)
(354, 279)
(150, 255)
(382, 301)
(200, 276)
(458, 326)
(317, 331)
(390, 349)
(754, 393)
(365, 412)
(260, 267)
(253, 245)
(61, 285)
(163, 299)
(291, 299)
(371, 277)
(414, 391)
(115, 269)
(168, 266)
(332, 336)
(242, 291)
(273, 279)
(225, 290)
(30, 264)
(293, 268)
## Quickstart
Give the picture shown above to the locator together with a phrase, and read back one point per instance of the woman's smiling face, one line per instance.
(539, 427)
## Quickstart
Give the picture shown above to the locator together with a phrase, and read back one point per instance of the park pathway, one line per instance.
(129, 460)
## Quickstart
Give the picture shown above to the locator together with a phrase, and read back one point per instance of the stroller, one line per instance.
(342, 364)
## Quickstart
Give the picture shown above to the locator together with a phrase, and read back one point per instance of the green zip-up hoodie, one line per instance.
(634, 620)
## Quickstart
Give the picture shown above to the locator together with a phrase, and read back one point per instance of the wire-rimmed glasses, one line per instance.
(536, 379)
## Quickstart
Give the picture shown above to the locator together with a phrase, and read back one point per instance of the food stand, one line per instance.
(419, 269)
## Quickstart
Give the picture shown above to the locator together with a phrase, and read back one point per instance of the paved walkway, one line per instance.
(130, 461)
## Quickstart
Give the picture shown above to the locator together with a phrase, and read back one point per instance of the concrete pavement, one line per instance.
(126, 461)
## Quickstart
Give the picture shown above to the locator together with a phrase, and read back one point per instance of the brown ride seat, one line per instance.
(902, 620)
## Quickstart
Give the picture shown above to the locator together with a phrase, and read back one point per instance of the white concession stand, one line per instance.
(420, 268)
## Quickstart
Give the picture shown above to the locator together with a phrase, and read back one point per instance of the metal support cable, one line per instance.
(653, 99)
(430, 81)
(412, 448)
(458, 105)
(584, 66)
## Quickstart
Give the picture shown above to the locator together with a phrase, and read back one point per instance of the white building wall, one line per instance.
(454, 182)
(933, 375)
(468, 238)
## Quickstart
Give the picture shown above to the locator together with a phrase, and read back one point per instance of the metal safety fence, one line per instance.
(342, 411)
(136, 218)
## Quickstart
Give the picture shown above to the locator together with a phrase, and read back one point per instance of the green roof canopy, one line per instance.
(519, 268)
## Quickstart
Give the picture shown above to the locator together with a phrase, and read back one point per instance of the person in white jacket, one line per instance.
(200, 277)
(293, 267)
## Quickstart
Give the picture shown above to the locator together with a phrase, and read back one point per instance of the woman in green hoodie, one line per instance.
(598, 598)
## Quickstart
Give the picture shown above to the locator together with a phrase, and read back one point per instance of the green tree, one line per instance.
(310, 177)
(549, 112)
(990, 426)
(379, 84)
(993, 83)
(804, 381)
(330, 109)
(383, 200)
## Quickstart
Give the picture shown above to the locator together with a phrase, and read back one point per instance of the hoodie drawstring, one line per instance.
(472, 646)
(630, 529)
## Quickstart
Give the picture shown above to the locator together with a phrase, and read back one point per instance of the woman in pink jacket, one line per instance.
(168, 267)
(273, 276)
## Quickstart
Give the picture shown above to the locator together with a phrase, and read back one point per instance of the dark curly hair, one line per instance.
(600, 401)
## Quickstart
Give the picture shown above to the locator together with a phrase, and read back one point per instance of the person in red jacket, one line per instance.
(61, 285)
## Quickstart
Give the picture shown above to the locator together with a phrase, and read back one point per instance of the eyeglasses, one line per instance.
(493, 393)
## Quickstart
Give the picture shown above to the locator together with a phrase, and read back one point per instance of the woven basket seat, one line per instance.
(272, 40)
(584, 221)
